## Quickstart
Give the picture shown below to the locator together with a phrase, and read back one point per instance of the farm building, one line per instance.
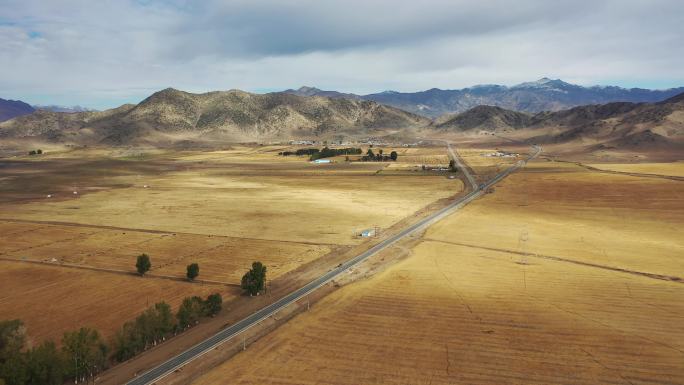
(320, 161)
(368, 233)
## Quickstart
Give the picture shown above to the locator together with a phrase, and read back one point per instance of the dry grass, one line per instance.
(51, 300)
(223, 259)
(250, 197)
(452, 313)
(671, 169)
(221, 209)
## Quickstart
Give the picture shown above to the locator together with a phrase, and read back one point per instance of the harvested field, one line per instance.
(220, 209)
(51, 300)
(669, 169)
(290, 201)
(223, 259)
(469, 306)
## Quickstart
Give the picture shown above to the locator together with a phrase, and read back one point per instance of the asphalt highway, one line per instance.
(228, 333)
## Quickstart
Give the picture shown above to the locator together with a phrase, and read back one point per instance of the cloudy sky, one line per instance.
(100, 53)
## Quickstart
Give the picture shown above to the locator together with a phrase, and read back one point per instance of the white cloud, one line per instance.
(103, 53)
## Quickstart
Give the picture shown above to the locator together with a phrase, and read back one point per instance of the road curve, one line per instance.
(226, 334)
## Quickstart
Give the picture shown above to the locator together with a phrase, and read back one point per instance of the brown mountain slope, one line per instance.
(488, 118)
(612, 125)
(170, 115)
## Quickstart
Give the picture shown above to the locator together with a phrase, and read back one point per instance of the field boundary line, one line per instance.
(120, 272)
(662, 277)
(627, 173)
(152, 231)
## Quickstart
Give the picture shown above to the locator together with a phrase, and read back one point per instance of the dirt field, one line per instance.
(597, 301)
(51, 299)
(252, 196)
(670, 169)
(221, 209)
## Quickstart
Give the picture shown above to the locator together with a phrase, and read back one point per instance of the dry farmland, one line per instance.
(67, 259)
(561, 276)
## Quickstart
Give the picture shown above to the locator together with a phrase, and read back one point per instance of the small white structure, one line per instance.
(49, 195)
(145, 186)
(368, 233)
(75, 192)
(322, 161)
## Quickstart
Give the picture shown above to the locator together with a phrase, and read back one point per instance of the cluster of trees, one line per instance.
(330, 152)
(82, 356)
(156, 323)
(84, 353)
(300, 152)
(379, 157)
(194, 308)
(254, 280)
(35, 152)
(326, 152)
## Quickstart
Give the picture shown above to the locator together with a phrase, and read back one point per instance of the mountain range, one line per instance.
(12, 108)
(613, 125)
(171, 115)
(541, 95)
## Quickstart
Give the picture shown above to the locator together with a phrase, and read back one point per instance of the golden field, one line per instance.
(73, 255)
(561, 276)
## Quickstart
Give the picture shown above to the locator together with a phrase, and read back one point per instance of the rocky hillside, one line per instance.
(12, 108)
(488, 118)
(614, 125)
(532, 97)
(171, 115)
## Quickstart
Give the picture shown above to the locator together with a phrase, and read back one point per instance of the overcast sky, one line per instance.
(101, 54)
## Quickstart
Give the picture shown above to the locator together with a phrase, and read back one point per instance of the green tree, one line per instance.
(143, 264)
(39, 151)
(213, 304)
(45, 365)
(452, 166)
(394, 155)
(149, 328)
(13, 368)
(12, 338)
(85, 353)
(253, 281)
(370, 153)
(190, 312)
(125, 343)
(192, 271)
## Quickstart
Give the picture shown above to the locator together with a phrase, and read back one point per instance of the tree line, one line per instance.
(84, 353)
(325, 152)
(300, 152)
(379, 157)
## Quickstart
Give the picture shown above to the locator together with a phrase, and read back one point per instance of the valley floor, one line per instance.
(562, 275)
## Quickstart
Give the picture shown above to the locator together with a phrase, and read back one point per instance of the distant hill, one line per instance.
(171, 115)
(532, 97)
(12, 108)
(55, 108)
(613, 125)
(488, 118)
